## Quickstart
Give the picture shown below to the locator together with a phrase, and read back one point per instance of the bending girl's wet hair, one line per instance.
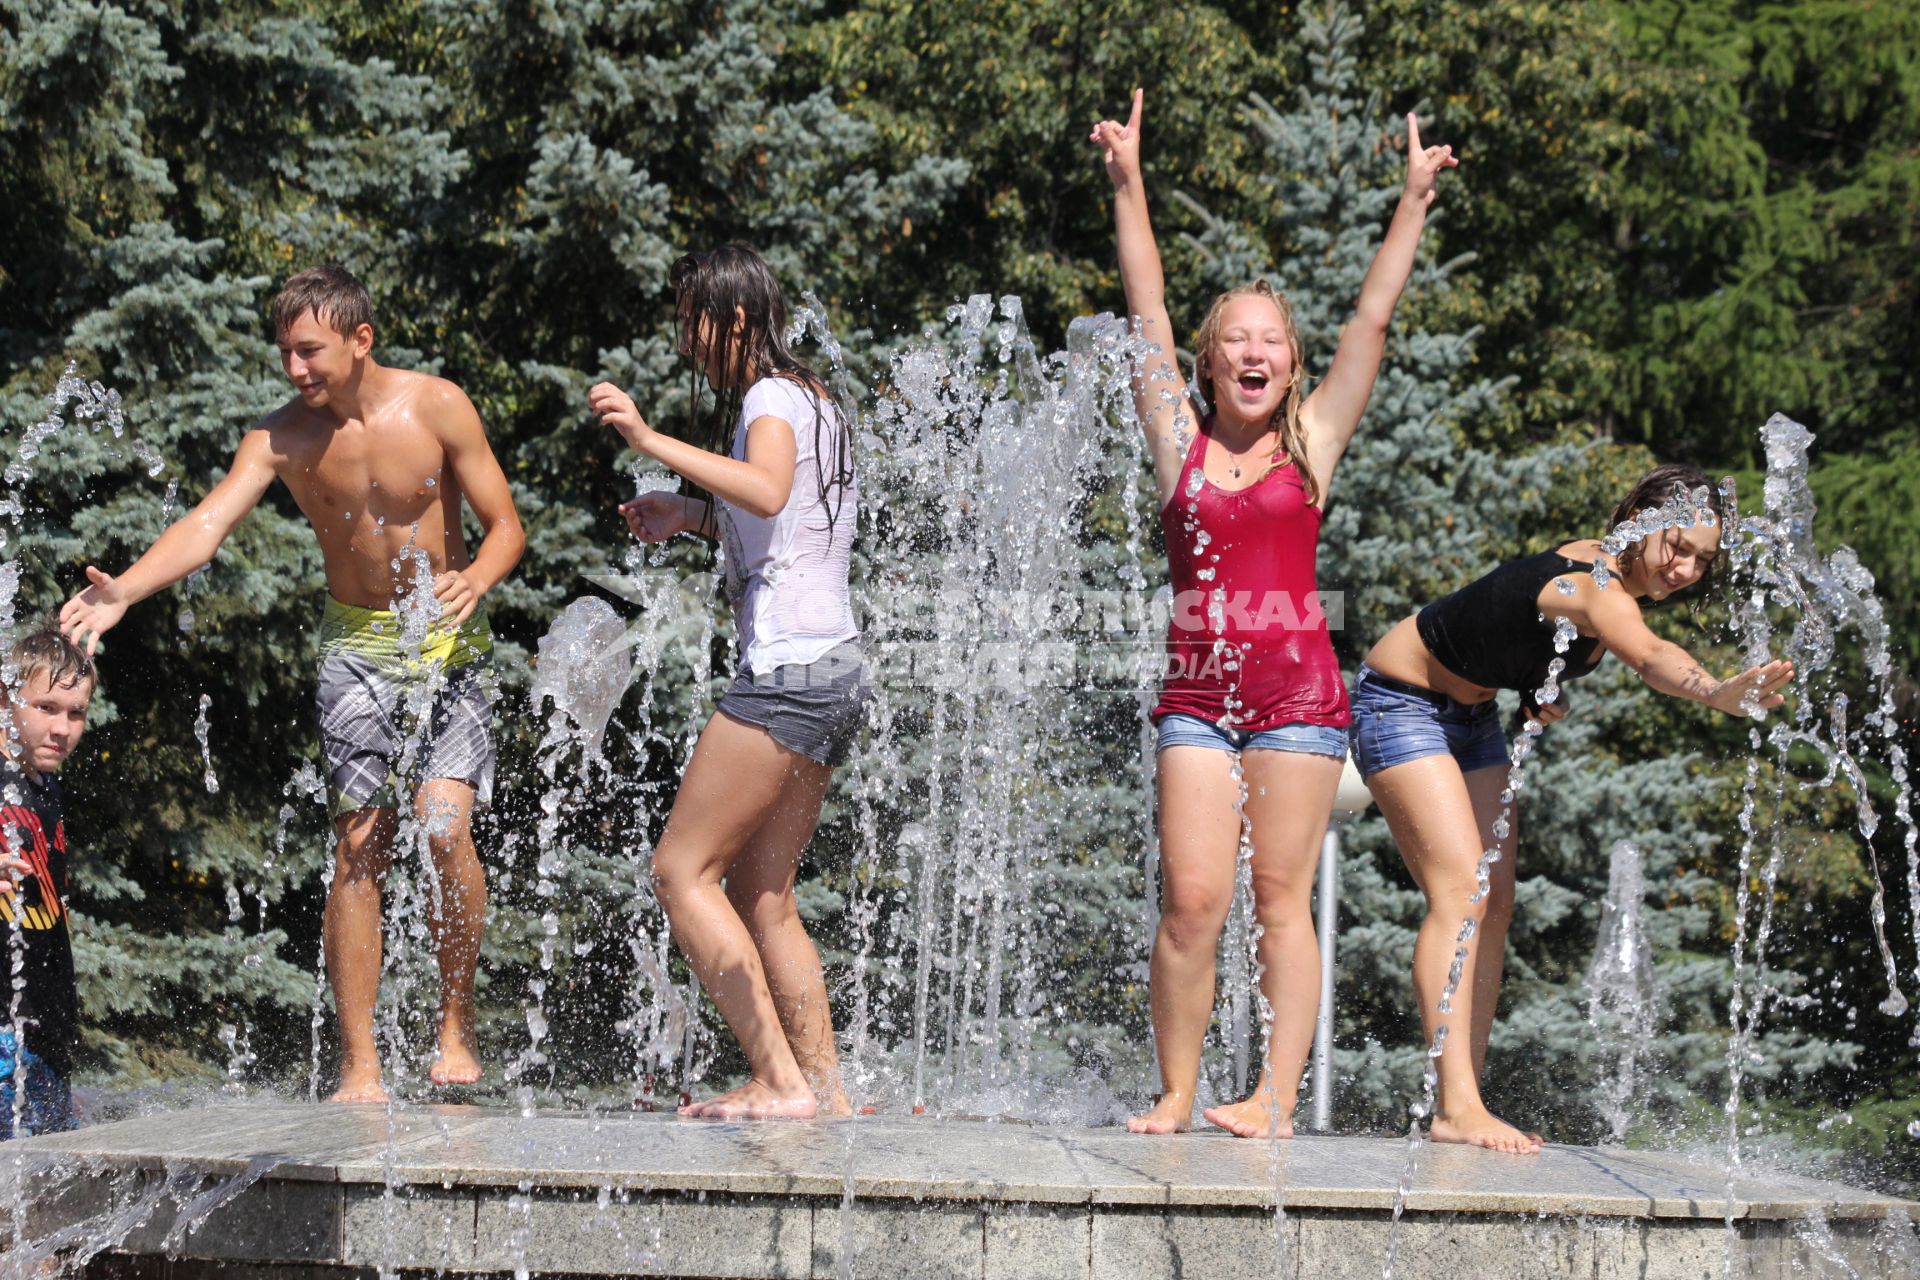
(1657, 488)
(732, 320)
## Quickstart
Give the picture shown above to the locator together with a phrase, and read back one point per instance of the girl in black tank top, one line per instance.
(1493, 633)
(1436, 761)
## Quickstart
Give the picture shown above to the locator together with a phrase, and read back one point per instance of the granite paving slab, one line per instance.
(931, 1159)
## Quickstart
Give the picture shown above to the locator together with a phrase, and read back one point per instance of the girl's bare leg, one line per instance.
(731, 787)
(1289, 800)
(1430, 809)
(1199, 837)
(1485, 786)
(760, 886)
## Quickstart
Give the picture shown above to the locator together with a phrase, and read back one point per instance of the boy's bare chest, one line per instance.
(395, 475)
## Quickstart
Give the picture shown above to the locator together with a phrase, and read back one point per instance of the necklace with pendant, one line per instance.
(1234, 467)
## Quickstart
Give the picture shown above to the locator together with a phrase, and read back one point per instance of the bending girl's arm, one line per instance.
(1615, 617)
(1333, 410)
(1158, 388)
(760, 485)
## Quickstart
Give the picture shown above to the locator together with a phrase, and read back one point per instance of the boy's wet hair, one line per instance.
(331, 292)
(45, 651)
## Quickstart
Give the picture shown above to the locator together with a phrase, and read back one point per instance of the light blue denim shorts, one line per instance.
(1394, 723)
(1307, 739)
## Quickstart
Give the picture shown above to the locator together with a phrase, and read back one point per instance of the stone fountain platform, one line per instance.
(308, 1191)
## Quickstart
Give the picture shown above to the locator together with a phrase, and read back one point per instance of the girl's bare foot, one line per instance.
(1170, 1113)
(359, 1083)
(455, 1063)
(756, 1101)
(1256, 1117)
(1479, 1127)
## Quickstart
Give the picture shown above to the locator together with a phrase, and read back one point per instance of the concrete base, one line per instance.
(324, 1192)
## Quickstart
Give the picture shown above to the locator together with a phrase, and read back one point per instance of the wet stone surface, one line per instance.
(462, 1188)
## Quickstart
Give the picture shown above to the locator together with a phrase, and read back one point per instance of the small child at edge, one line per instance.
(47, 686)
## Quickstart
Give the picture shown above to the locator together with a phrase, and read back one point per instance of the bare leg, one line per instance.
(1289, 800)
(1485, 786)
(735, 778)
(1431, 812)
(444, 808)
(351, 927)
(760, 887)
(1199, 839)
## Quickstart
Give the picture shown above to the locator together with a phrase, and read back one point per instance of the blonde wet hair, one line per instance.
(1292, 444)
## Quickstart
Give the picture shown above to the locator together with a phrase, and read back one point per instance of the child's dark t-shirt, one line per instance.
(33, 831)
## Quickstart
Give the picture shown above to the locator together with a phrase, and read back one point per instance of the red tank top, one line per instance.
(1247, 642)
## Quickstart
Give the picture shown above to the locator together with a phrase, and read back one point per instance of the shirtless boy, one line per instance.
(378, 460)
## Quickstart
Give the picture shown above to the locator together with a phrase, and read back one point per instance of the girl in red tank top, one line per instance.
(1253, 711)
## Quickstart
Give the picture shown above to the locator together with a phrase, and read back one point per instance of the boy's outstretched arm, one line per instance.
(188, 543)
(484, 484)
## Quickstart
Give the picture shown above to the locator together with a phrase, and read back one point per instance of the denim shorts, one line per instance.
(1394, 723)
(1308, 739)
(815, 708)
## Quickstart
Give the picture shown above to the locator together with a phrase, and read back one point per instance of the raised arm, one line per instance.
(1333, 410)
(187, 545)
(1158, 388)
(1614, 616)
(760, 485)
(470, 458)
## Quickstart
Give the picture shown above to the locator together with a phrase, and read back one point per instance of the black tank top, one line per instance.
(1491, 632)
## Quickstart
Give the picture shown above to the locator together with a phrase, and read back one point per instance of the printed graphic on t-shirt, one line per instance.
(36, 904)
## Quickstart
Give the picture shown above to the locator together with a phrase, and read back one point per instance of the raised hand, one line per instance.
(1753, 689)
(93, 612)
(655, 517)
(1424, 164)
(1120, 144)
(616, 408)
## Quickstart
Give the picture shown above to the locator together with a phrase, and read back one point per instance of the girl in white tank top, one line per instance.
(776, 485)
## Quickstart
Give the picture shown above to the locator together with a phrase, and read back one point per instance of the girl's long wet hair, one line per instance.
(729, 294)
(1286, 418)
(1655, 489)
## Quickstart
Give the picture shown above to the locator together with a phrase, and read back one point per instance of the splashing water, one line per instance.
(1622, 993)
(585, 665)
(1777, 570)
(201, 733)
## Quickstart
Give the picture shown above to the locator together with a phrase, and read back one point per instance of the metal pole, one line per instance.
(1328, 909)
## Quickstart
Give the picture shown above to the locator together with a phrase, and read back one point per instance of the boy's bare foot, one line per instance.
(1479, 1127)
(1170, 1113)
(755, 1101)
(359, 1084)
(836, 1104)
(455, 1063)
(1253, 1118)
